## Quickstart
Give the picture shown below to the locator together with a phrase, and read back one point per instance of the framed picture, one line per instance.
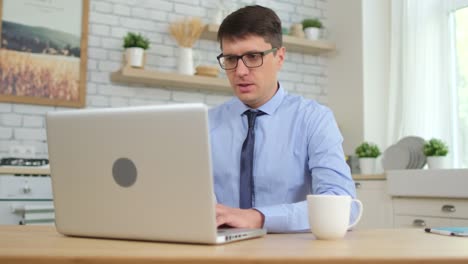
(43, 51)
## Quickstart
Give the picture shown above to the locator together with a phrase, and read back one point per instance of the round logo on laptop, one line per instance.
(124, 172)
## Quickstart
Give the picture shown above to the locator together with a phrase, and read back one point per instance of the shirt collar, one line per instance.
(269, 107)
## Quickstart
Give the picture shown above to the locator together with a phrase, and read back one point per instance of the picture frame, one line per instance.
(43, 52)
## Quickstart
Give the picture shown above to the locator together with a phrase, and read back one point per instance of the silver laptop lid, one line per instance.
(136, 173)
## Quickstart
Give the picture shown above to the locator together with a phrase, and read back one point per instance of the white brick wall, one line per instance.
(110, 20)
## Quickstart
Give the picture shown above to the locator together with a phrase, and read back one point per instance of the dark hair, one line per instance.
(252, 20)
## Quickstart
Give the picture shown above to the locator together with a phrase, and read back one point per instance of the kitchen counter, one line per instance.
(39, 170)
(46, 170)
(358, 177)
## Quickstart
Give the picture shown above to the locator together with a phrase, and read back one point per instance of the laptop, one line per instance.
(139, 173)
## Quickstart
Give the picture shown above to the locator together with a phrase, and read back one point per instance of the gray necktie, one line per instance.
(246, 187)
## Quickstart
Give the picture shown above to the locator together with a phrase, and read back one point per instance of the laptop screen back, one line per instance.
(135, 173)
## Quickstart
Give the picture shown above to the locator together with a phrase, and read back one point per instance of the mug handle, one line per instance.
(360, 213)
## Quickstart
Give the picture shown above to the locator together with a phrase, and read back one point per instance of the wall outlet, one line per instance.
(18, 151)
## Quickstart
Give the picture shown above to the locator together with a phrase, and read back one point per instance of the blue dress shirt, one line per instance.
(298, 151)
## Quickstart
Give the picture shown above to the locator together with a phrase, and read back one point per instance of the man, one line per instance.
(266, 160)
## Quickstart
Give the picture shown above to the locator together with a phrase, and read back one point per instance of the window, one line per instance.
(461, 53)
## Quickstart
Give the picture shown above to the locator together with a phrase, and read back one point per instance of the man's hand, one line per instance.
(241, 218)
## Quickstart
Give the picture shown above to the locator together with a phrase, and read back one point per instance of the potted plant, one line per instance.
(367, 153)
(135, 46)
(436, 151)
(312, 28)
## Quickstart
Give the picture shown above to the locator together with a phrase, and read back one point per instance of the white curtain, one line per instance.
(420, 94)
(460, 130)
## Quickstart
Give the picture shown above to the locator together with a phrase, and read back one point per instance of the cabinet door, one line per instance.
(430, 212)
(416, 221)
(377, 204)
(434, 207)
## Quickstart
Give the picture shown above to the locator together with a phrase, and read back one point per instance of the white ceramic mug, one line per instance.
(329, 215)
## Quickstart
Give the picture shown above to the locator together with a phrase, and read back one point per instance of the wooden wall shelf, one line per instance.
(157, 78)
(166, 79)
(291, 43)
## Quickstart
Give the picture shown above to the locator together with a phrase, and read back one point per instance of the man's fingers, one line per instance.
(220, 214)
(220, 220)
(234, 217)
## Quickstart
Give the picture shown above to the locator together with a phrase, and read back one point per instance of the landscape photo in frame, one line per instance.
(43, 51)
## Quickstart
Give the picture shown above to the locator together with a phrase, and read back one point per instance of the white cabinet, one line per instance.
(25, 199)
(430, 212)
(429, 198)
(377, 204)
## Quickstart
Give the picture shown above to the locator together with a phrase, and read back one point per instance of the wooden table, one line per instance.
(41, 244)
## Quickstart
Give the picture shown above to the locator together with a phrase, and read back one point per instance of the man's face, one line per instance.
(253, 86)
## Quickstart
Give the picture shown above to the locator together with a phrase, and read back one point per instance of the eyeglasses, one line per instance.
(251, 59)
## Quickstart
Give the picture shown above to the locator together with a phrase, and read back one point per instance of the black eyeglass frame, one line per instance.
(262, 53)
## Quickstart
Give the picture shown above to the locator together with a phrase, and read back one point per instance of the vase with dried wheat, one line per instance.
(186, 33)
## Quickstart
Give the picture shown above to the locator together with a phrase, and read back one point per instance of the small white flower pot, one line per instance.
(134, 57)
(437, 162)
(312, 33)
(367, 165)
